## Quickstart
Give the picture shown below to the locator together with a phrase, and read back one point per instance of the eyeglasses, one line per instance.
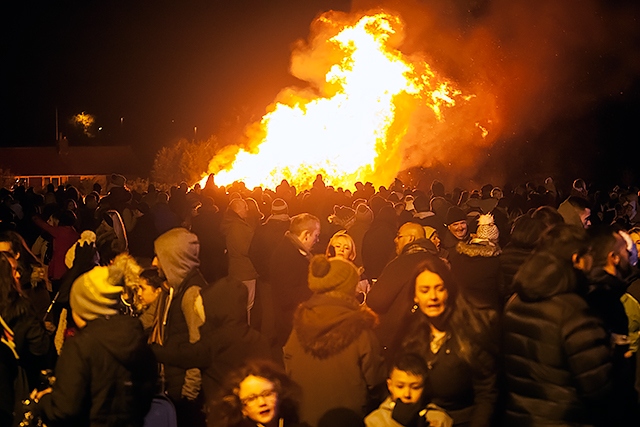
(267, 394)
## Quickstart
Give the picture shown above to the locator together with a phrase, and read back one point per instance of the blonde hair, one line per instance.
(342, 234)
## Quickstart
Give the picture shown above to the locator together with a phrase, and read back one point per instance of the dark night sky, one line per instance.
(166, 67)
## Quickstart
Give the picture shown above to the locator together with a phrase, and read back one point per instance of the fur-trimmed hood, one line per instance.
(328, 323)
(420, 245)
(478, 247)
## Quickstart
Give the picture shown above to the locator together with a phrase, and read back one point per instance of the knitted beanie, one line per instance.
(487, 228)
(94, 294)
(333, 274)
(279, 206)
(455, 214)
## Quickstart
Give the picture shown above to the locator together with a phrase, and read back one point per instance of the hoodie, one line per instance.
(178, 252)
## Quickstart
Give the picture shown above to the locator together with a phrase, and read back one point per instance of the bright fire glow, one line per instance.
(350, 126)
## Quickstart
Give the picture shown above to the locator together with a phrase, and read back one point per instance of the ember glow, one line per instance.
(349, 125)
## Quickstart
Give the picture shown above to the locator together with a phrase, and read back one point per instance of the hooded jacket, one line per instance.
(557, 360)
(177, 251)
(333, 355)
(105, 376)
(476, 267)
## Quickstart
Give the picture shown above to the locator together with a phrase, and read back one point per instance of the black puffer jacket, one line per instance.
(106, 376)
(557, 361)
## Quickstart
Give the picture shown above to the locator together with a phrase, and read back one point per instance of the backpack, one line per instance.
(162, 413)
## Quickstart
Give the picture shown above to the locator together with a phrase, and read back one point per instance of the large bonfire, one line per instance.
(349, 124)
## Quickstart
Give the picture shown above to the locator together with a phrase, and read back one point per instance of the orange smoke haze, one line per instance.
(365, 108)
(533, 63)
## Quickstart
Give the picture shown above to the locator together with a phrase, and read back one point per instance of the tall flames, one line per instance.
(349, 123)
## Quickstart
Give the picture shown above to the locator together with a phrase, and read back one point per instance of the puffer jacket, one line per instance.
(557, 359)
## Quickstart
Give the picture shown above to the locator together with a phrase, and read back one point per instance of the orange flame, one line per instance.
(349, 125)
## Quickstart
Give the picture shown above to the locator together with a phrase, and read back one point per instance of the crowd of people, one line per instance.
(399, 306)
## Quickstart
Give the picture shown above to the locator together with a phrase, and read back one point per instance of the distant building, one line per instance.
(63, 164)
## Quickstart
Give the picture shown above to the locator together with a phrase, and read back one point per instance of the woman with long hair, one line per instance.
(456, 345)
(257, 394)
(33, 275)
(30, 341)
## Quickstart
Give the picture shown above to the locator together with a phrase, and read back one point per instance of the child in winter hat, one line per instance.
(487, 229)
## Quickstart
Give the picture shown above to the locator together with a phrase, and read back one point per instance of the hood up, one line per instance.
(328, 323)
(542, 276)
(178, 253)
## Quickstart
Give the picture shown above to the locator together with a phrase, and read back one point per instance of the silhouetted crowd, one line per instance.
(400, 306)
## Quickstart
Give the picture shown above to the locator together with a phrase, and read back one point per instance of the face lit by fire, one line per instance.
(259, 399)
(309, 238)
(430, 294)
(405, 386)
(343, 247)
(459, 229)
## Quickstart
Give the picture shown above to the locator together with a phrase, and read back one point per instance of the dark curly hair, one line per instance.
(227, 407)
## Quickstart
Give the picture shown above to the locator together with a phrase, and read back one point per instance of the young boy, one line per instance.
(404, 405)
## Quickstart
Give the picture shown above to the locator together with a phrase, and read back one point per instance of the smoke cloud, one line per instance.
(530, 64)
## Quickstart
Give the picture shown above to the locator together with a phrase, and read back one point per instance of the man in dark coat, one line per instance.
(377, 244)
(611, 268)
(265, 240)
(106, 374)
(457, 229)
(267, 236)
(557, 361)
(390, 296)
(288, 271)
